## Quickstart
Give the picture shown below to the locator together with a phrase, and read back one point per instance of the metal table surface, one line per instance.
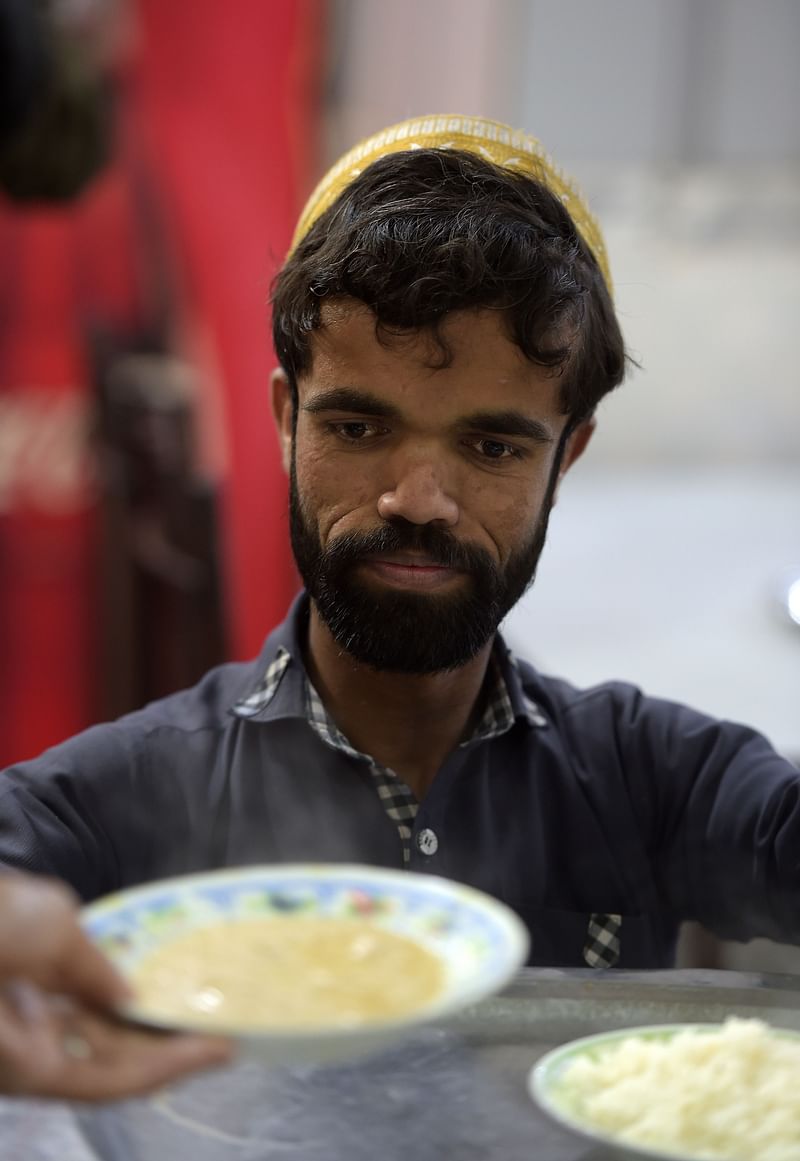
(451, 1091)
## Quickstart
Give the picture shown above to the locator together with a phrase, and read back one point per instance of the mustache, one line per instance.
(401, 535)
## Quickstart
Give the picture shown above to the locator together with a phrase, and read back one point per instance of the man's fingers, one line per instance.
(118, 1060)
(49, 1047)
(31, 1038)
(41, 940)
(60, 1045)
(87, 975)
(133, 1064)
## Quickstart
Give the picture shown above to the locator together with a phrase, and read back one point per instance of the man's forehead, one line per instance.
(339, 316)
(349, 332)
(486, 375)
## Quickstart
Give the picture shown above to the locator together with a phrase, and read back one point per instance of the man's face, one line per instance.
(420, 496)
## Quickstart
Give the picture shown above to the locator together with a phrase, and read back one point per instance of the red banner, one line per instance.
(59, 265)
(223, 104)
(229, 100)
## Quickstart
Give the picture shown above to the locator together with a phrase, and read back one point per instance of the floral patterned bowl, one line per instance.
(480, 942)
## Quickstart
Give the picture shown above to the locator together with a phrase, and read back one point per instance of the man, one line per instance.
(445, 330)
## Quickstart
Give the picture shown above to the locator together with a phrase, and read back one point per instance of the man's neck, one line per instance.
(407, 723)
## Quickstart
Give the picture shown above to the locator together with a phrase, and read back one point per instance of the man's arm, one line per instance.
(57, 812)
(114, 806)
(724, 820)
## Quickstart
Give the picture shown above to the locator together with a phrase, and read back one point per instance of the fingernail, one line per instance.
(27, 1001)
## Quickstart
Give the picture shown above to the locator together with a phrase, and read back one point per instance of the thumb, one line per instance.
(88, 975)
(41, 940)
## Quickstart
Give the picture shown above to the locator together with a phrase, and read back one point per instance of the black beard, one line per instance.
(402, 632)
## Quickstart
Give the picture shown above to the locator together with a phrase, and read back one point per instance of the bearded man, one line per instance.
(445, 330)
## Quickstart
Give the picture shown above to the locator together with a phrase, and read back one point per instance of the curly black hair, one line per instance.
(422, 233)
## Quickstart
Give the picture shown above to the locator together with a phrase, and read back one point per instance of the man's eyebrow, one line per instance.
(350, 399)
(359, 402)
(512, 423)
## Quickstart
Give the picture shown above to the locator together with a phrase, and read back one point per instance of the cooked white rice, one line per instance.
(732, 1093)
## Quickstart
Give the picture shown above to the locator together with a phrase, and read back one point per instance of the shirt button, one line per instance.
(427, 842)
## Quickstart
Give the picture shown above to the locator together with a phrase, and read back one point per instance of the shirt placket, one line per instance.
(397, 799)
(399, 803)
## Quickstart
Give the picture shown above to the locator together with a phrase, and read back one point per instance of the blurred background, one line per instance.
(153, 158)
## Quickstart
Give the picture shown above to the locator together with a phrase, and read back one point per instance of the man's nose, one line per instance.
(420, 495)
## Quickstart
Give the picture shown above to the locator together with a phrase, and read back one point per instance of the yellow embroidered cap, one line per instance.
(498, 143)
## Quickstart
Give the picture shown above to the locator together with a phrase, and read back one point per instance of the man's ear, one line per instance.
(283, 413)
(576, 446)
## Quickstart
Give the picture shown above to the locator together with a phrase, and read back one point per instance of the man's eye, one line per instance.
(495, 449)
(354, 430)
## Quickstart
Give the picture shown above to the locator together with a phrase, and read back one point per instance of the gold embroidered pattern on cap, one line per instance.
(507, 147)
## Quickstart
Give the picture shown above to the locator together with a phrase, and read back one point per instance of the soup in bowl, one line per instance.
(304, 962)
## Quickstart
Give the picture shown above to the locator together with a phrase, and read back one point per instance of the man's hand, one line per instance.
(54, 1048)
(63, 1044)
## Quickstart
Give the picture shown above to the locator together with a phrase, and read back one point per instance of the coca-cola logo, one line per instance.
(46, 461)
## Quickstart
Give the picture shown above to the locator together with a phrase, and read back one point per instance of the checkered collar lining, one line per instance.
(497, 718)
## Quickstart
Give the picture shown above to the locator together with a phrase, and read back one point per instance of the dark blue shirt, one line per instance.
(591, 810)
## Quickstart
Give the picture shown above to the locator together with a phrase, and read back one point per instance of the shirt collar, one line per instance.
(523, 706)
(275, 687)
(278, 686)
(324, 725)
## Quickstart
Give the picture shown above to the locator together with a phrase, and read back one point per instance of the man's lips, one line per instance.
(410, 572)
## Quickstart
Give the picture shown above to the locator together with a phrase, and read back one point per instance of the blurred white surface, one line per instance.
(671, 580)
(706, 266)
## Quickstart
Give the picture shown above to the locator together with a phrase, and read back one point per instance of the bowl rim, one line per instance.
(540, 1078)
(515, 936)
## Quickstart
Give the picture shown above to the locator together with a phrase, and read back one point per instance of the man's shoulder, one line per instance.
(203, 709)
(559, 697)
(181, 725)
(204, 706)
(614, 714)
(613, 709)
